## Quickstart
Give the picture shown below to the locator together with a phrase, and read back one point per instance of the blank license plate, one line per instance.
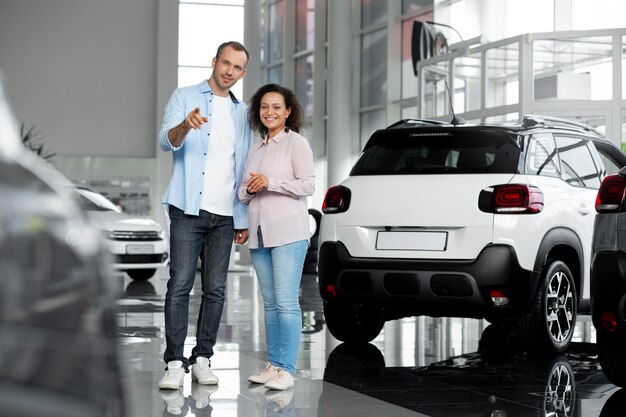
(139, 249)
(435, 241)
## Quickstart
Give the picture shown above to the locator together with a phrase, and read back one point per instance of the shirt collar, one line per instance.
(276, 139)
(206, 88)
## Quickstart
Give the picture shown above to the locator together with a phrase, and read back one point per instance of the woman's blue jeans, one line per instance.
(212, 235)
(279, 271)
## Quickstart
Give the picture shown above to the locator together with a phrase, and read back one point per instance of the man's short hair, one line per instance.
(236, 46)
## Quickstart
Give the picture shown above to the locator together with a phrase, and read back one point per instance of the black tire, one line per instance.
(310, 261)
(140, 274)
(549, 327)
(353, 323)
(310, 268)
(612, 356)
(311, 257)
(317, 216)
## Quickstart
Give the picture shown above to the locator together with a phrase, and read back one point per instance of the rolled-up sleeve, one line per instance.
(173, 115)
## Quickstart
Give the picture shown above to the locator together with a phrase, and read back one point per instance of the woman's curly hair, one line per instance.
(293, 122)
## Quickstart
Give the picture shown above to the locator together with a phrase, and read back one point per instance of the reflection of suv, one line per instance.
(138, 243)
(608, 277)
(490, 222)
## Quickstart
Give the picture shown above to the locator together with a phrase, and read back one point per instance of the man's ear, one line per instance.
(213, 62)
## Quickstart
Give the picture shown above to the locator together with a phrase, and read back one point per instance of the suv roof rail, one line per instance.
(405, 122)
(531, 120)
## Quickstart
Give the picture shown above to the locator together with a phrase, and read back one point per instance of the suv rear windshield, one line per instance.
(437, 151)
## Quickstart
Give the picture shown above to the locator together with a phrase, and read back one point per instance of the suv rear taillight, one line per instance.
(611, 194)
(337, 199)
(511, 199)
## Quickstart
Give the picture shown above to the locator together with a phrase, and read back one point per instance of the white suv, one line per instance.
(138, 243)
(456, 220)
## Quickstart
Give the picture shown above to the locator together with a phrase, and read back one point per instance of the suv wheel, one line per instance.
(141, 274)
(550, 325)
(354, 323)
(611, 350)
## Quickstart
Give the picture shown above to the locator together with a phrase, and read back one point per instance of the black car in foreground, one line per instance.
(608, 277)
(58, 337)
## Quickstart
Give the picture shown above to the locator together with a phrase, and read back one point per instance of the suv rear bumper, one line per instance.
(409, 287)
(608, 289)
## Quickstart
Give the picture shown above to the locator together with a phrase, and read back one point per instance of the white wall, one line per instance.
(84, 73)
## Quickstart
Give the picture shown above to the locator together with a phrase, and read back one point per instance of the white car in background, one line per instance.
(138, 244)
(454, 220)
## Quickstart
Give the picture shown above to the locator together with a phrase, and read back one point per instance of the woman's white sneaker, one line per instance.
(282, 381)
(265, 375)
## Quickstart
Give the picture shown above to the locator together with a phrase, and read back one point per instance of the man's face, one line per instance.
(229, 68)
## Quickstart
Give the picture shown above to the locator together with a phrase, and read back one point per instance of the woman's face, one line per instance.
(273, 112)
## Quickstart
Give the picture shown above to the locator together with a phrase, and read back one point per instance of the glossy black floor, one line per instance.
(417, 366)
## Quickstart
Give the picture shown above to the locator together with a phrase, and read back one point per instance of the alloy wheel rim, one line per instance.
(559, 307)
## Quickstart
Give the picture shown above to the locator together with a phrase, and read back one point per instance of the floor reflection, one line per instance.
(418, 366)
(497, 380)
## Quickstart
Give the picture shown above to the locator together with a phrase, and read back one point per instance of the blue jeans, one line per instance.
(212, 235)
(279, 270)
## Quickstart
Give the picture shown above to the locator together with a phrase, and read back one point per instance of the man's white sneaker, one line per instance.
(265, 375)
(201, 372)
(282, 381)
(174, 375)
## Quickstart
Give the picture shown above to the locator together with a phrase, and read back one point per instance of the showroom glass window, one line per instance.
(573, 69)
(304, 61)
(211, 21)
(373, 67)
(275, 39)
(502, 75)
(412, 10)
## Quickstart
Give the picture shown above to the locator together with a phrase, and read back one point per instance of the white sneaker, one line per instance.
(174, 401)
(202, 393)
(265, 375)
(282, 380)
(201, 372)
(174, 375)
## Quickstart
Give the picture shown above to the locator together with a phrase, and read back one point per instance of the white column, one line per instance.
(341, 70)
(563, 15)
(167, 80)
(251, 32)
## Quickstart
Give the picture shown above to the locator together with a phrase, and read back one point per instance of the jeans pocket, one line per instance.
(175, 212)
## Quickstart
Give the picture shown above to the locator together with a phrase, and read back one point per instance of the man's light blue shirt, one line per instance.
(189, 159)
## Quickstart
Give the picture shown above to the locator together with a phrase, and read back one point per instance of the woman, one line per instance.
(277, 179)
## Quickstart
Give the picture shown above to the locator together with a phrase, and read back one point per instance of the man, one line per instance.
(206, 129)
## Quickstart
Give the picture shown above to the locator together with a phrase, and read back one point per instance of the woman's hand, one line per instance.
(256, 183)
(241, 236)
